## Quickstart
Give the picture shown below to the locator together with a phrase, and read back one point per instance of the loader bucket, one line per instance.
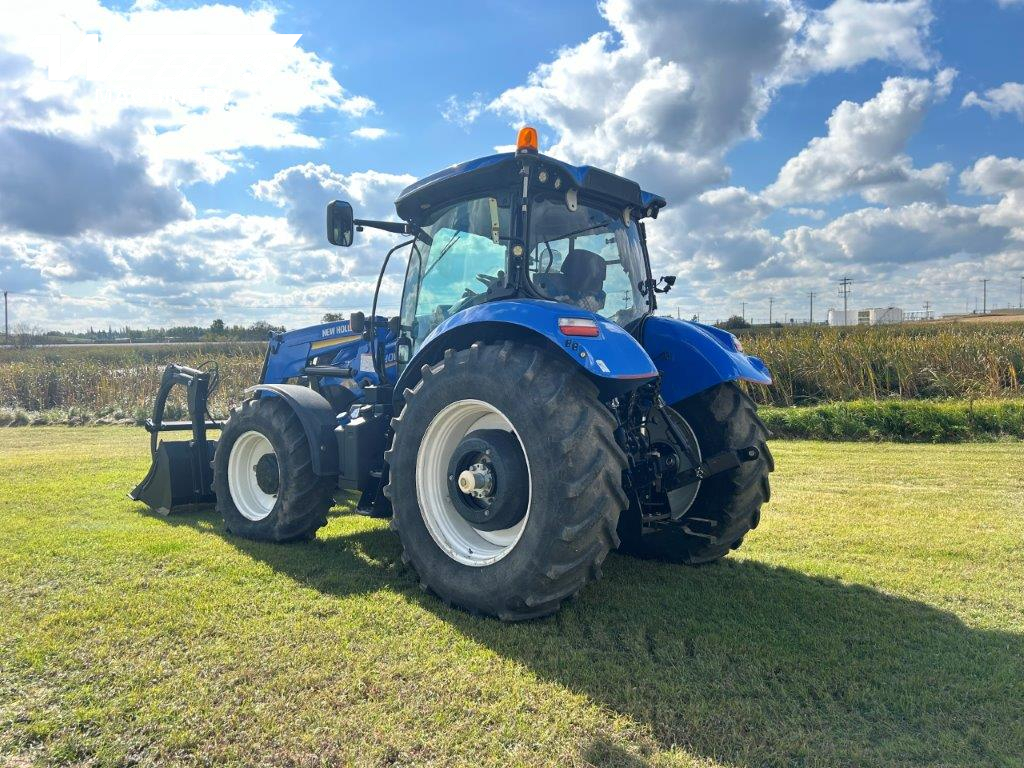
(181, 475)
(175, 479)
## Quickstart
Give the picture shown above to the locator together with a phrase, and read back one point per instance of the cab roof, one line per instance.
(486, 174)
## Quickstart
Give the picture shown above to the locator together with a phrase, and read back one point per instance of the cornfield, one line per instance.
(810, 365)
(817, 365)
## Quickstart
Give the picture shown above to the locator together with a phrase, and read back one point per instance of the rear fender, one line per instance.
(317, 419)
(693, 357)
(613, 360)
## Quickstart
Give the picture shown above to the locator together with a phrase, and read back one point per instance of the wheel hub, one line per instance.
(488, 481)
(477, 481)
(268, 475)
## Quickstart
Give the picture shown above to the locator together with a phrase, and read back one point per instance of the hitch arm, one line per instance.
(717, 464)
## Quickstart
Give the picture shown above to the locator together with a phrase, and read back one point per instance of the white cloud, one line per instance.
(863, 152)
(664, 93)
(196, 86)
(59, 186)
(851, 32)
(724, 209)
(994, 176)
(370, 134)
(672, 86)
(1007, 98)
(238, 267)
(895, 236)
(463, 112)
(304, 191)
(811, 213)
(999, 176)
(108, 115)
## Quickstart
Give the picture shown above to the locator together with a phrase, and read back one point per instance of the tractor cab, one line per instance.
(518, 225)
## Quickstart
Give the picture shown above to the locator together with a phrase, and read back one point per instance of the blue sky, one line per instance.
(796, 143)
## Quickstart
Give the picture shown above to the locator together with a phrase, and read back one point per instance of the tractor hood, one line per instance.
(502, 171)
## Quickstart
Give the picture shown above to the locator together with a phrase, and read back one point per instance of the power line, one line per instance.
(844, 291)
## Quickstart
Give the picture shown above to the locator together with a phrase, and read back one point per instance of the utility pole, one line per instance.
(771, 301)
(1020, 300)
(811, 297)
(844, 291)
(984, 294)
(743, 304)
(7, 328)
(927, 306)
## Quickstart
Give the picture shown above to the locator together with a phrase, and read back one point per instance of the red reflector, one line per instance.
(578, 326)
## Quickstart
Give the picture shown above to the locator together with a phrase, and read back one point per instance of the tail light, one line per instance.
(578, 326)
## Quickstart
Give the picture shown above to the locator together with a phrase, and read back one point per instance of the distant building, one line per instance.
(876, 316)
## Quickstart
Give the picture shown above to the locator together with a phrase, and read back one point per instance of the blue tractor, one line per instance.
(526, 413)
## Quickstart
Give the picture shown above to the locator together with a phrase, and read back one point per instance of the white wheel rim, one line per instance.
(450, 531)
(250, 500)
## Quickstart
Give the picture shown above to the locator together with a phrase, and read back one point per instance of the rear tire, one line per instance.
(254, 503)
(727, 506)
(573, 480)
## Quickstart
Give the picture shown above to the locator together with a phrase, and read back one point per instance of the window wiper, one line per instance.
(567, 235)
(447, 247)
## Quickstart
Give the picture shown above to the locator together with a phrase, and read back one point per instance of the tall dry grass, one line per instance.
(810, 365)
(815, 365)
(119, 379)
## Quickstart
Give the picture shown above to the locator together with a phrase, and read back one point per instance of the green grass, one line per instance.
(875, 618)
(926, 421)
(911, 421)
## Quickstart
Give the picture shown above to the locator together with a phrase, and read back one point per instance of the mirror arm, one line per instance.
(397, 227)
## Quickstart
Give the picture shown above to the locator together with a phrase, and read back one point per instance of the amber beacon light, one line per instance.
(527, 141)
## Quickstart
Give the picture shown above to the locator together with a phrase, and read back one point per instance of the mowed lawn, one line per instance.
(876, 617)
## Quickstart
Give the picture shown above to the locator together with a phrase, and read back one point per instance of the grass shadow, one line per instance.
(739, 662)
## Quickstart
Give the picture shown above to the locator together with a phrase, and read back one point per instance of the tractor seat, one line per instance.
(584, 272)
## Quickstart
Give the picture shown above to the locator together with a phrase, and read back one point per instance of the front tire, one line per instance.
(263, 475)
(550, 543)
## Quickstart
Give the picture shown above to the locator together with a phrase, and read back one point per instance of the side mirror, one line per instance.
(340, 228)
(403, 350)
(666, 284)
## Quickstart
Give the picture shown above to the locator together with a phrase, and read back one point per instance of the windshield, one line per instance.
(589, 258)
(464, 261)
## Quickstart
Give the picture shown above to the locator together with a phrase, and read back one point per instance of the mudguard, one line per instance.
(318, 422)
(693, 357)
(613, 359)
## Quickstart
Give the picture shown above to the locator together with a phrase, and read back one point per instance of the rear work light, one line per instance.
(578, 326)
